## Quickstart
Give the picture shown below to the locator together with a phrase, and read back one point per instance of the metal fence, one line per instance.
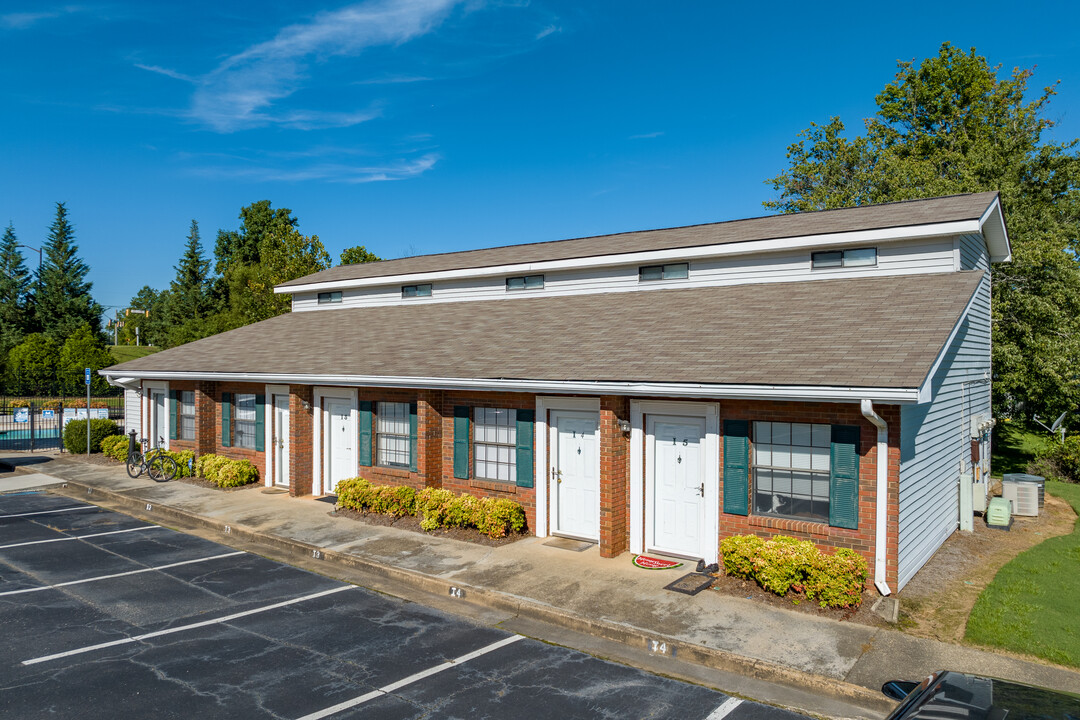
(37, 423)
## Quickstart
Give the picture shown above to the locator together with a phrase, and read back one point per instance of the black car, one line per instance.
(956, 696)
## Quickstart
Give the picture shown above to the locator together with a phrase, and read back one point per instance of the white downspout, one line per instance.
(882, 503)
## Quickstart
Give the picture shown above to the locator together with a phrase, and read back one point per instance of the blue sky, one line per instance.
(416, 126)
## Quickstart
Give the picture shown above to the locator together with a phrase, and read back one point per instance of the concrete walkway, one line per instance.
(605, 598)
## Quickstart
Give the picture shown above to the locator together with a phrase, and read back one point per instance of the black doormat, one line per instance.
(331, 499)
(690, 584)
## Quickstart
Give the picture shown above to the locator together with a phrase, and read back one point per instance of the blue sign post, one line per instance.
(87, 412)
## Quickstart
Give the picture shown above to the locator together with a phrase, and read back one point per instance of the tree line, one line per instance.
(51, 327)
(950, 125)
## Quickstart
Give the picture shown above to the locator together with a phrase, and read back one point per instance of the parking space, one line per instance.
(107, 616)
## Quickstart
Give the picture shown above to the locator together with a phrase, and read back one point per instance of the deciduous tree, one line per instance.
(951, 125)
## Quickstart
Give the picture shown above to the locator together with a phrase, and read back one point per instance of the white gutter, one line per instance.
(882, 495)
(575, 387)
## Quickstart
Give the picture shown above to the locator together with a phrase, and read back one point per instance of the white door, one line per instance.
(339, 443)
(677, 478)
(576, 473)
(280, 440)
(159, 417)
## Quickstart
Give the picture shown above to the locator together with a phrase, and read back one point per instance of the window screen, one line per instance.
(392, 434)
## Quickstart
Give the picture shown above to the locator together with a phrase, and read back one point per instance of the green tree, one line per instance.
(82, 349)
(62, 300)
(241, 248)
(358, 254)
(31, 366)
(145, 312)
(286, 255)
(950, 125)
(14, 287)
(189, 297)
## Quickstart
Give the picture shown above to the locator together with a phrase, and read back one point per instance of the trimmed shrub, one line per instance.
(116, 447)
(495, 517)
(498, 516)
(185, 461)
(784, 563)
(75, 434)
(223, 471)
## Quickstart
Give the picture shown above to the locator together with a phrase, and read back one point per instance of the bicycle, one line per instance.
(155, 463)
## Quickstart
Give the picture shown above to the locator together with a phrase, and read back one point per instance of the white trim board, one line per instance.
(853, 394)
(640, 507)
(541, 480)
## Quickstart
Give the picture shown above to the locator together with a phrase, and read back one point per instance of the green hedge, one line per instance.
(116, 447)
(1058, 461)
(223, 471)
(438, 508)
(784, 563)
(75, 434)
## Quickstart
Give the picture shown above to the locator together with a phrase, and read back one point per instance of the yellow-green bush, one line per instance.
(437, 507)
(225, 472)
(115, 447)
(784, 563)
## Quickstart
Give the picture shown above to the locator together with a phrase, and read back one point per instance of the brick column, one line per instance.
(614, 477)
(207, 431)
(429, 441)
(301, 439)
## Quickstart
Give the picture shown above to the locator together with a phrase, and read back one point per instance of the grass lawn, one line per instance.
(1033, 604)
(123, 353)
(1014, 447)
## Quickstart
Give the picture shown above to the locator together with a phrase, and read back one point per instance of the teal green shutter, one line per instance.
(736, 467)
(173, 409)
(226, 419)
(525, 448)
(844, 477)
(365, 433)
(260, 423)
(413, 464)
(461, 442)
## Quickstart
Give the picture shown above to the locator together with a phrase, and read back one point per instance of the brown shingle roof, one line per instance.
(871, 332)
(870, 217)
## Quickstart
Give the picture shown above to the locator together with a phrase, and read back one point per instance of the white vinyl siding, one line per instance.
(935, 436)
(133, 412)
(899, 258)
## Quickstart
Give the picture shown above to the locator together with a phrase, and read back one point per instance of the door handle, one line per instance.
(702, 489)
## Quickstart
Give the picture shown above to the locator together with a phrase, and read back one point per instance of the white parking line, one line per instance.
(387, 689)
(121, 574)
(182, 628)
(49, 512)
(81, 537)
(724, 709)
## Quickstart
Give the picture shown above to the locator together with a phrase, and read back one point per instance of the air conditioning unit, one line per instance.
(1022, 496)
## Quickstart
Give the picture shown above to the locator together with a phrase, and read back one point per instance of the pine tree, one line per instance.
(62, 300)
(190, 291)
(14, 287)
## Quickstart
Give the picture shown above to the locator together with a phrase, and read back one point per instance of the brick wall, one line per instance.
(862, 540)
(301, 438)
(614, 477)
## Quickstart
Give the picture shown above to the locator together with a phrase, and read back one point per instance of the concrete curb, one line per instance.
(503, 602)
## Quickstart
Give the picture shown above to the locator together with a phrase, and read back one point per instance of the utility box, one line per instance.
(998, 514)
(1037, 480)
(1022, 496)
(967, 512)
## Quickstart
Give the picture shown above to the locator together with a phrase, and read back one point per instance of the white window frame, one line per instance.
(815, 473)
(511, 445)
(180, 429)
(378, 434)
(236, 421)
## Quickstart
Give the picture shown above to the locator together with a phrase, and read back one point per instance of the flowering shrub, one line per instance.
(784, 563)
(437, 507)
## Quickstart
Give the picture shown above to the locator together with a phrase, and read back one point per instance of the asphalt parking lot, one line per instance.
(106, 616)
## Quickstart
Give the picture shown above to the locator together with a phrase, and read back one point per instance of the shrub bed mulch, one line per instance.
(412, 524)
(750, 590)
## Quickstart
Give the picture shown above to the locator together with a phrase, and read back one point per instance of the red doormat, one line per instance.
(650, 563)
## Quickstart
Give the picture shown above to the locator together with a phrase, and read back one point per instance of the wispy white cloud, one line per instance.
(167, 73)
(242, 90)
(647, 136)
(393, 80)
(326, 172)
(23, 20)
(549, 30)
